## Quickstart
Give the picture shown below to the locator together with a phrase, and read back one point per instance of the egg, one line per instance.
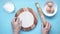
(50, 4)
(52, 10)
(48, 9)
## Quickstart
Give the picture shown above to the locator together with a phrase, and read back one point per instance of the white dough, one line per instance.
(9, 7)
(27, 19)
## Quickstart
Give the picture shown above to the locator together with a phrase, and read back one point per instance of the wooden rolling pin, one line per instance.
(41, 15)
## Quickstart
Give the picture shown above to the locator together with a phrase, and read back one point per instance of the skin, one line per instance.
(46, 29)
(45, 25)
(16, 25)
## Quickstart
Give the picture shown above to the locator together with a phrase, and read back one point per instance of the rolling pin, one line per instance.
(41, 14)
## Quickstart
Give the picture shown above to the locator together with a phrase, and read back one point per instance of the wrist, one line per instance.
(45, 33)
(15, 32)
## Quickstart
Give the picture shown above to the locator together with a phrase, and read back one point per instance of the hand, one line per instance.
(46, 29)
(16, 25)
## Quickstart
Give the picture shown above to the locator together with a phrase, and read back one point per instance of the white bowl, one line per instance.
(9, 7)
(49, 14)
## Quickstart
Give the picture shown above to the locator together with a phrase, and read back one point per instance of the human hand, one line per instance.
(46, 29)
(16, 25)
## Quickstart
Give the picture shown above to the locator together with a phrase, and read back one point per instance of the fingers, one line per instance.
(20, 22)
(47, 25)
(16, 24)
(13, 20)
(16, 20)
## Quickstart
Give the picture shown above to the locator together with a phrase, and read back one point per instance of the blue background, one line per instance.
(6, 18)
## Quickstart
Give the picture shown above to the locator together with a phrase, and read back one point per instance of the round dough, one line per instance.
(27, 19)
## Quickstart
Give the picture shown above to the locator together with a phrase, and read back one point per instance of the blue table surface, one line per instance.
(6, 18)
